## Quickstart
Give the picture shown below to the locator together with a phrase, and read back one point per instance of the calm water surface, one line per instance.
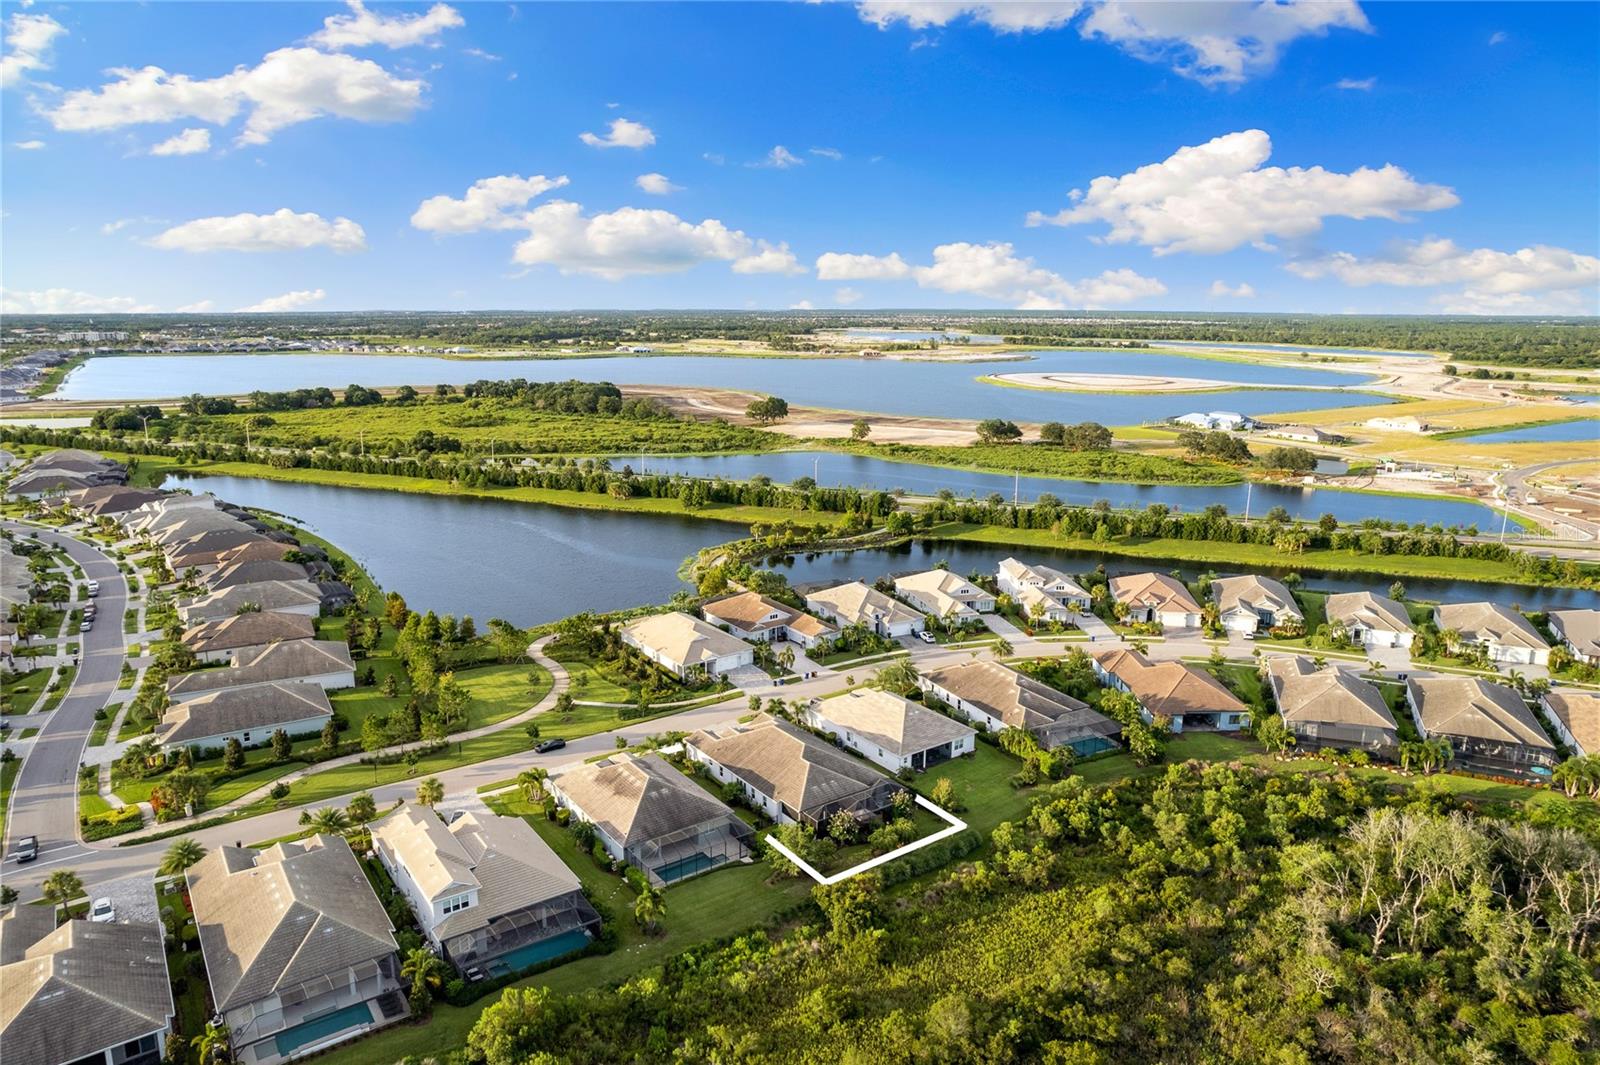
(831, 468)
(1577, 430)
(945, 390)
(530, 564)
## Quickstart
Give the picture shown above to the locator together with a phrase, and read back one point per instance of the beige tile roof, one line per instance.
(276, 918)
(1580, 713)
(268, 595)
(898, 725)
(420, 840)
(752, 612)
(787, 763)
(286, 661)
(1254, 593)
(684, 639)
(1018, 700)
(1169, 689)
(1489, 623)
(634, 798)
(1153, 590)
(1581, 628)
(950, 592)
(1475, 709)
(248, 630)
(80, 989)
(1367, 611)
(857, 603)
(1332, 695)
(262, 706)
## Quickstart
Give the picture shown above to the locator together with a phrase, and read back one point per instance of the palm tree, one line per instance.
(181, 855)
(212, 1045)
(425, 971)
(62, 886)
(532, 783)
(1569, 776)
(898, 676)
(329, 819)
(1003, 648)
(649, 908)
(430, 792)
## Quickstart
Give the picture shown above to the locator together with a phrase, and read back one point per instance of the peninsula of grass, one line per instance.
(1044, 460)
(1240, 556)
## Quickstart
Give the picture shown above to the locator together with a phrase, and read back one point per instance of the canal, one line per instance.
(531, 564)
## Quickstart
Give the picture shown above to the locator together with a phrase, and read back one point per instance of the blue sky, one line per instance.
(1417, 158)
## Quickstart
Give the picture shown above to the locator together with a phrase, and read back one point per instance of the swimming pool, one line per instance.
(695, 863)
(292, 1039)
(542, 951)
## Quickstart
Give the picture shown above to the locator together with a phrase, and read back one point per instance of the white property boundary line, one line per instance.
(955, 825)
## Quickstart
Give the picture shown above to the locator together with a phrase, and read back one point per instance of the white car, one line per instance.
(102, 912)
(927, 637)
(93, 587)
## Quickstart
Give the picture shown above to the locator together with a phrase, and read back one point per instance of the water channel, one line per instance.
(530, 564)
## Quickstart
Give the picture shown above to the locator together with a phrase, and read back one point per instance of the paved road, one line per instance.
(1516, 483)
(44, 799)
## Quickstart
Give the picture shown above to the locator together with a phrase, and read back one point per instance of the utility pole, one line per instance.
(1249, 488)
(146, 419)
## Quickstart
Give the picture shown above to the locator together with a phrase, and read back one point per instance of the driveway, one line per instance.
(1096, 629)
(44, 801)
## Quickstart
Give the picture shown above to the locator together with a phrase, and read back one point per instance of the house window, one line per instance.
(455, 903)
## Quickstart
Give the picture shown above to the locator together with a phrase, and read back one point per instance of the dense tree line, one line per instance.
(1211, 913)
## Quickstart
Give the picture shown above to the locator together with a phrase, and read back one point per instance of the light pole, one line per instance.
(146, 419)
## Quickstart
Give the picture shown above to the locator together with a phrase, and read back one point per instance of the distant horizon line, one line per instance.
(823, 312)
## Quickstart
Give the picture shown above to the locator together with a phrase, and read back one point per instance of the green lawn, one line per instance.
(63, 682)
(597, 681)
(19, 691)
(983, 785)
(8, 776)
(717, 904)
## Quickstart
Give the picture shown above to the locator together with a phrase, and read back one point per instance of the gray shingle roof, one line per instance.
(285, 661)
(80, 989)
(248, 630)
(1475, 709)
(1489, 622)
(227, 710)
(1332, 695)
(1368, 611)
(268, 595)
(1581, 628)
(276, 918)
(1020, 701)
(787, 763)
(898, 725)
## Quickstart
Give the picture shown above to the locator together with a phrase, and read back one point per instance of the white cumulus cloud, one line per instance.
(656, 184)
(362, 27)
(1216, 196)
(995, 271)
(828, 153)
(842, 266)
(491, 203)
(1356, 84)
(30, 40)
(197, 307)
(1532, 280)
(624, 133)
(1213, 43)
(288, 86)
(780, 158)
(68, 301)
(289, 301)
(625, 242)
(28, 146)
(846, 296)
(803, 305)
(1242, 291)
(768, 259)
(283, 230)
(189, 142)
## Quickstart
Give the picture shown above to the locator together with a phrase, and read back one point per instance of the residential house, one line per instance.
(83, 993)
(648, 814)
(1250, 603)
(889, 730)
(1331, 707)
(294, 597)
(1042, 592)
(759, 618)
(1221, 420)
(790, 775)
(67, 470)
(1156, 597)
(1370, 620)
(323, 662)
(488, 891)
(245, 635)
(1489, 727)
(1575, 717)
(110, 500)
(210, 548)
(998, 697)
(299, 951)
(1579, 630)
(248, 714)
(686, 646)
(1406, 424)
(1305, 434)
(1505, 635)
(1189, 697)
(256, 572)
(944, 595)
(857, 604)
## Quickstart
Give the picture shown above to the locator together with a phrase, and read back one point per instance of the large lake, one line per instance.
(1576, 430)
(832, 468)
(530, 564)
(934, 389)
